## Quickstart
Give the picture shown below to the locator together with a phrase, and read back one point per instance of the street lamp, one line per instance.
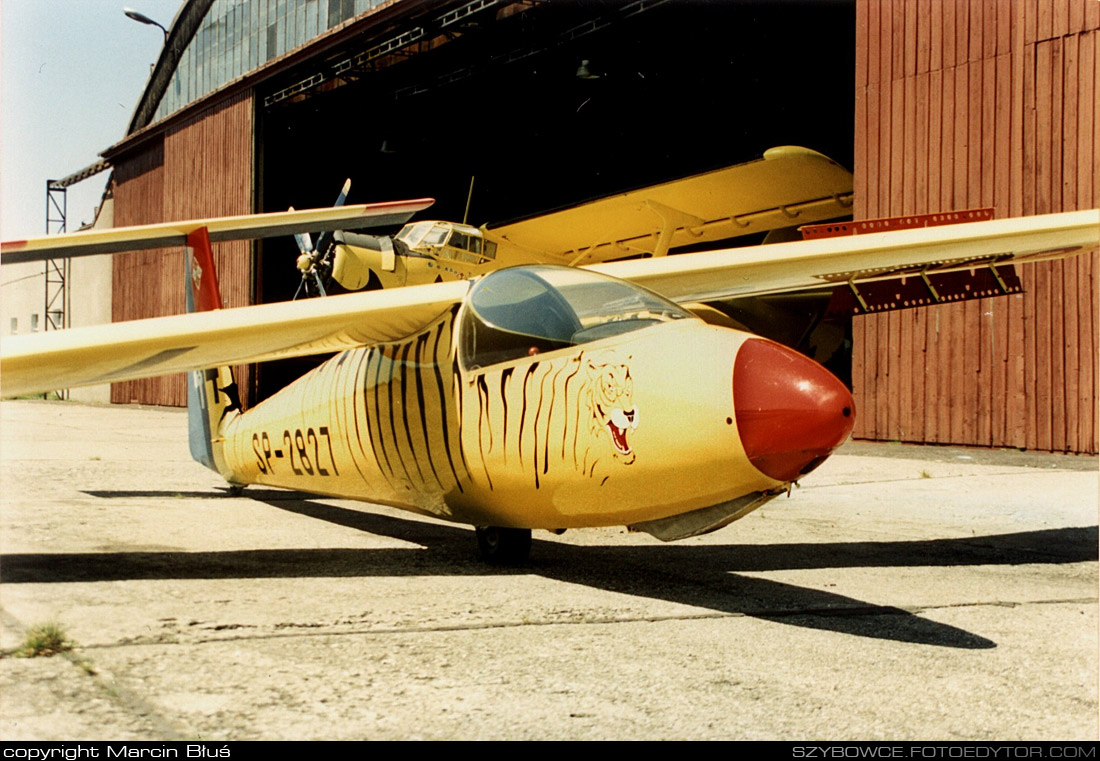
(143, 19)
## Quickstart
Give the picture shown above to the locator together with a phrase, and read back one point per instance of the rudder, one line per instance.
(212, 396)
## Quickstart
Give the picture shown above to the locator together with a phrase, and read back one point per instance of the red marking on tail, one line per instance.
(204, 278)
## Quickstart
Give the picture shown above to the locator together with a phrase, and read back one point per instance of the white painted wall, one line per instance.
(88, 300)
(22, 298)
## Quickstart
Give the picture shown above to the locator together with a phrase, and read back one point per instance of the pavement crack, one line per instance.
(1004, 604)
(128, 701)
(916, 478)
(292, 630)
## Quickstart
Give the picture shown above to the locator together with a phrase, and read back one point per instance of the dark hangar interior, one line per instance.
(543, 105)
(666, 90)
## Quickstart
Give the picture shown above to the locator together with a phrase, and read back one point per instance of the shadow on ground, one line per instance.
(705, 576)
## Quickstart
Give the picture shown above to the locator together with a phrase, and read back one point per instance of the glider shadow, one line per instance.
(705, 576)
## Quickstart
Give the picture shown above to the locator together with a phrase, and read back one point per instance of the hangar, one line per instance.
(263, 104)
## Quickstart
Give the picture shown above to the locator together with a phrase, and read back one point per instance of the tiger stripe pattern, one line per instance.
(385, 416)
(566, 414)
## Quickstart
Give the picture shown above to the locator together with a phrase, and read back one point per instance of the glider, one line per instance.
(534, 397)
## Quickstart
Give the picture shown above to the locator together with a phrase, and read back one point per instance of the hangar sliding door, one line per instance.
(970, 104)
(201, 167)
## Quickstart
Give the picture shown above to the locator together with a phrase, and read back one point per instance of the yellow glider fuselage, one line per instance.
(487, 426)
(525, 443)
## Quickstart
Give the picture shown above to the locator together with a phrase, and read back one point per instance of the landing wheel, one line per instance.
(503, 546)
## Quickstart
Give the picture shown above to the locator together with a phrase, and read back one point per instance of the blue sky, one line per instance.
(71, 72)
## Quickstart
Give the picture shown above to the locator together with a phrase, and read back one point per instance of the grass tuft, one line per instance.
(43, 641)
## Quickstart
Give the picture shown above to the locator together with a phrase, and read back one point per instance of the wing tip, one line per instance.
(796, 152)
(410, 205)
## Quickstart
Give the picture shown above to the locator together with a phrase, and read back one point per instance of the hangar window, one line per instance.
(524, 311)
(237, 36)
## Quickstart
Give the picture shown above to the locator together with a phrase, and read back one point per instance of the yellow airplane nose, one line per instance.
(791, 412)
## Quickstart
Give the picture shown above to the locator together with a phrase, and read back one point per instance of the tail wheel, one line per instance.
(503, 546)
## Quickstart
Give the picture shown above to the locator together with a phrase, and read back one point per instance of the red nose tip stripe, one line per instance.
(791, 412)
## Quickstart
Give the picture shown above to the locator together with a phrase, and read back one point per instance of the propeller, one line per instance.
(314, 262)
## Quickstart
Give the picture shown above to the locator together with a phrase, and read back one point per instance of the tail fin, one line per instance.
(212, 396)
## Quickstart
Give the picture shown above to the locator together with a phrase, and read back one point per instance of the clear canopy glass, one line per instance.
(525, 311)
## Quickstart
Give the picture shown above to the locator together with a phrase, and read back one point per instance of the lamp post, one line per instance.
(143, 19)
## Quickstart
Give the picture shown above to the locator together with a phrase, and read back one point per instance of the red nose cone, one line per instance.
(791, 412)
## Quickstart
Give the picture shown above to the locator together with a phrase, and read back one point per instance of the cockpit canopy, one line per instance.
(524, 311)
(447, 240)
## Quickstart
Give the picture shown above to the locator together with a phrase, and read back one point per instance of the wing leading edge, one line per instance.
(822, 263)
(163, 345)
(248, 226)
(143, 348)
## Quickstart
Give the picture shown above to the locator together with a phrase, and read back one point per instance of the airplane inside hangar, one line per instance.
(538, 106)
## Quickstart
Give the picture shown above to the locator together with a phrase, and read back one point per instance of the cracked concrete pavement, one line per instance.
(902, 593)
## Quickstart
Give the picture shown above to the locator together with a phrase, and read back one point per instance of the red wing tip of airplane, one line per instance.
(791, 412)
(414, 204)
(13, 244)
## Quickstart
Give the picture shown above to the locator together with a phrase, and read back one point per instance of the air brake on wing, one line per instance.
(915, 288)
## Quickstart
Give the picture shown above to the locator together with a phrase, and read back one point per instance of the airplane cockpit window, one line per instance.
(524, 311)
(423, 234)
(448, 240)
(411, 235)
(463, 247)
(437, 236)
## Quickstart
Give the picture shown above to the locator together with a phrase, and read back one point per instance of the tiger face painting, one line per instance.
(577, 412)
(610, 399)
